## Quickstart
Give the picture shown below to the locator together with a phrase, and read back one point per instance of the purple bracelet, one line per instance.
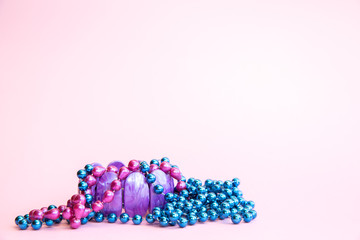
(140, 189)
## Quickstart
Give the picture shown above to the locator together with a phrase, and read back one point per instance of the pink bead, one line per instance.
(78, 198)
(123, 173)
(69, 204)
(86, 212)
(37, 214)
(153, 167)
(74, 222)
(165, 167)
(88, 191)
(134, 165)
(175, 173)
(115, 185)
(180, 186)
(98, 171)
(97, 206)
(61, 208)
(52, 214)
(78, 210)
(43, 209)
(90, 180)
(108, 196)
(67, 213)
(112, 168)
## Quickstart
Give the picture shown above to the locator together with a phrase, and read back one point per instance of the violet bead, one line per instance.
(158, 200)
(136, 195)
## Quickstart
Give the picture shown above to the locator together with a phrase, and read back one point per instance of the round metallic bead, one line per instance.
(230, 202)
(82, 186)
(216, 188)
(99, 217)
(36, 224)
(247, 217)
(234, 211)
(18, 219)
(211, 197)
(227, 184)
(165, 159)
(88, 198)
(174, 216)
(168, 208)
(227, 192)
(214, 205)
(144, 168)
(182, 222)
(179, 205)
(209, 183)
(89, 168)
(156, 213)
(58, 220)
(182, 199)
(91, 215)
(197, 183)
(190, 180)
(27, 217)
(183, 179)
(111, 217)
(172, 223)
(49, 222)
(224, 213)
(150, 218)
(124, 217)
(192, 219)
(184, 193)
(250, 203)
(253, 213)
(158, 189)
(201, 198)
(236, 218)
(84, 221)
(137, 219)
(212, 215)
(163, 221)
(51, 207)
(221, 197)
(155, 161)
(169, 197)
(236, 182)
(81, 173)
(23, 224)
(203, 217)
(150, 178)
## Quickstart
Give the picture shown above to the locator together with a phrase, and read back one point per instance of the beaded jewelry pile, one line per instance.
(144, 190)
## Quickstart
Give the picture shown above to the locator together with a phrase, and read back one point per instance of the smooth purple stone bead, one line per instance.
(136, 194)
(115, 206)
(158, 200)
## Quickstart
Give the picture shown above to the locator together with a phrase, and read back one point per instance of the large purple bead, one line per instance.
(115, 206)
(157, 200)
(117, 164)
(93, 188)
(136, 194)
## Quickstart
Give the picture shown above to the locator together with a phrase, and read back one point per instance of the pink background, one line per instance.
(267, 91)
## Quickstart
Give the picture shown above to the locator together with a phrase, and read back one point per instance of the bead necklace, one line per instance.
(144, 190)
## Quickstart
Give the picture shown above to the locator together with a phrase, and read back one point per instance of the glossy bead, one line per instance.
(216, 188)
(78, 198)
(111, 217)
(203, 217)
(158, 189)
(78, 210)
(36, 215)
(224, 213)
(180, 186)
(165, 167)
(182, 222)
(81, 173)
(163, 221)
(36, 224)
(165, 159)
(57, 221)
(90, 180)
(156, 213)
(212, 215)
(82, 186)
(84, 220)
(192, 219)
(89, 168)
(115, 185)
(74, 222)
(52, 214)
(209, 183)
(175, 173)
(124, 217)
(144, 168)
(91, 215)
(99, 217)
(49, 222)
(23, 224)
(227, 184)
(150, 218)
(89, 198)
(134, 165)
(98, 171)
(172, 223)
(236, 218)
(112, 168)
(18, 219)
(43, 209)
(26, 216)
(117, 164)
(136, 194)
(51, 207)
(169, 197)
(247, 217)
(184, 193)
(150, 178)
(97, 206)
(174, 216)
(108, 196)
(153, 167)
(235, 182)
(137, 219)
(253, 213)
(123, 173)
(250, 203)
(225, 205)
(155, 161)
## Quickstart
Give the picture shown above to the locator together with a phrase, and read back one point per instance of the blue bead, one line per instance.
(174, 216)
(144, 168)
(169, 197)
(234, 211)
(89, 168)
(84, 221)
(212, 214)
(179, 205)
(150, 218)
(51, 207)
(188, 206)
(253, 213)
(182, 222)
(250, 203)
(221, 197)
(91, 215)
(58, 220)
(82, 185)
(236, 182)
(197, 204)
(183, 179)
(224, 213)
(214, 205)
(227, 192)
(235, 200)
(201, 190)
(203, 217)
(191, 189)
(227, 184)
(27, 217)
(174, 166)
(81, 173)
(18, 219)
(192, 219)
(168, 209)
(230, 202)
(190, 180)
(49, 222)
(182, 199)
(89, 198)
(36, 224)
(201, 198)
(209, 183)
(247, 217)
(163, 221)
(219, 182)
(211, 197)
(99, 217)
(236, 218)
(155, 161)
(156, 213)
(137, 219)
(216, 188)
(150, 178)
(158, 189)
(197, 183)
(165, 159)
(172, 223)
(184, 193)
(23, 224)
(111, 217)
(124, 217)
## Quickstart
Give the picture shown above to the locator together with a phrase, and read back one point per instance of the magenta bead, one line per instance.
(43, 209)
(134, 165)
(69, 204)
(78, 198)
(180, 186)
(67, 213)
(108, 196)
(86, 212)
(115, 185)
(98, 171)
(117, 164)
(123, 173)
(175, 173)
(78, 210)
(36, 214)
(52, 214)
(74, 222)
(90, 180)
(153, 167)
(165, 167)
(112, 169)
(61, 208)
(97, 206)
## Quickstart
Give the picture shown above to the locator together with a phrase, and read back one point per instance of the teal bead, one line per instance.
(150, 218)
(144, 167)
(99, 217)
(182, 222)
(247, 217)
(211, 197)
(221, 197)
(155, 161)
(250, 203)
(190, 180)
(158, 189)
(111, 217)
(18, 219)
(89, 198)
(183, 179)
(184, 193)
(230, 202)
(192, 219)
(84, 221)
(197, 204)
(203, 217)
(163, 221)
(172, 223)
(89, 168)
(51, 207)
(201, 198)
(82, 186)
(58, 220)
(182, 199)
(227, 184)
(236, 182)
(253, 213)
(216, 188)
(214, 205)
(27, 217)
(23, 224)
(49, 222)
(124, 217)
(36, 224)
(179, 205)
(81, 174)
(150, 178)
(168, 208)
(174, 216)
(212, 215)
(209, 183)
(156, 213)
(169, 197)
(197, 183)
(236, 218)
(137, 219)
(224, 213)
(165, 159)
(227, 192)
(91, 215)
